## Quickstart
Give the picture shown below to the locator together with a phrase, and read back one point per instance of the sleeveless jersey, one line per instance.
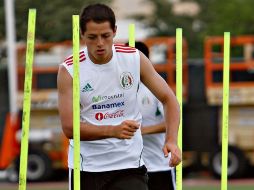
(108, 96)
(152, 114)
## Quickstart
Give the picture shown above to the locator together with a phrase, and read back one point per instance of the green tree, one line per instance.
(164, 22)
(53, 21)
(235, 16)
(2, 22)
(215, 17)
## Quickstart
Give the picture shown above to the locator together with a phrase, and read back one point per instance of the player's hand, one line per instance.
(126, 129)
(172, 148)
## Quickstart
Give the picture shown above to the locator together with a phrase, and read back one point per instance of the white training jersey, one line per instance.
(108, 96)
(152, 114)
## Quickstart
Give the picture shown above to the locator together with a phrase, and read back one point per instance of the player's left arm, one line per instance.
(157, 85)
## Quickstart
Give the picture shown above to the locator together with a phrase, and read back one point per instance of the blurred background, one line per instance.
(203, 23)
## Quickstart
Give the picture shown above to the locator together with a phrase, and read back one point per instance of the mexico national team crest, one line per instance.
(126, 80)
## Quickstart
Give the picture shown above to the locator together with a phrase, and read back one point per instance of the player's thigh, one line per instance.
(88, 181)
(161, 180)
(133, 182)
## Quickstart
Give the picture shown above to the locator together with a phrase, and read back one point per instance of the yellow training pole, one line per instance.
(225, 108)
(132, 35)
(27, 99)
(76, 102)
(179, 98)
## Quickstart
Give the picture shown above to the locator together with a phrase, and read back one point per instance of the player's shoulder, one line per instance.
(63, 75)
(124, 49)
(69, 60)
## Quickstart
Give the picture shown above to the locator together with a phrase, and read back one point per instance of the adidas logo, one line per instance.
(87, 88)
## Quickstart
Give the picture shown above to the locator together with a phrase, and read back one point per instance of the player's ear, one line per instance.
(114, 31)
(81, 34)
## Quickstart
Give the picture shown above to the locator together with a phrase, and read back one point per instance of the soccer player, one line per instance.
(160, 175)
(111, 141)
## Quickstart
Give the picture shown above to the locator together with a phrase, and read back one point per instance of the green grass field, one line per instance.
(64, 186)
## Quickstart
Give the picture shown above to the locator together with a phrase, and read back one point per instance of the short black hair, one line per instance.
(98, 13)
(141, 46)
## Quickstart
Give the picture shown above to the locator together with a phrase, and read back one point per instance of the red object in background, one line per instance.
(10, 148)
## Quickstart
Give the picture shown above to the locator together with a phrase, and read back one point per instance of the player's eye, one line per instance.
(91, 37)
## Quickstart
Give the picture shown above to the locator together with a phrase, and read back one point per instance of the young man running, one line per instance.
(111, 141)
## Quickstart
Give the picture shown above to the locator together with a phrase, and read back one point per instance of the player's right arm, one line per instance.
(153, 129)
(125, 130)
(159, 127)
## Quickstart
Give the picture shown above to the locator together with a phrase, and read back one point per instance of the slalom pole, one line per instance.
(132, 35)
(76, 102)
(225, 112)
(179, 49)
(27, 99)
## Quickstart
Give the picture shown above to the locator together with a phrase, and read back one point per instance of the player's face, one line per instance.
(99, 39)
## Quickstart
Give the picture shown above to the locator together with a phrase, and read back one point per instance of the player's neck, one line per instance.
(101, 60)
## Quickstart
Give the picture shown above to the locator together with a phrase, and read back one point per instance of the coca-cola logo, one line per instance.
(100, 116)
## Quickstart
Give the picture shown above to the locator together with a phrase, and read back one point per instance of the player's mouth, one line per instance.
(100, 51)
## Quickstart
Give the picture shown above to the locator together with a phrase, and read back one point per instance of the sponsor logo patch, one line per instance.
(126, 80)
(100, 98)
(87, 88)
(107, 106)
(101, 116)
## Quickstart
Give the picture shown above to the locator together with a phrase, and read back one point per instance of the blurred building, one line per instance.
(124, 11)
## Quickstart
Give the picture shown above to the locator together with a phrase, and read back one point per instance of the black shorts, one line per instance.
(164, 180)
(126, 179)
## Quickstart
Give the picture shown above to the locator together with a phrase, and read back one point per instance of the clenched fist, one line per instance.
(176, 157)
(126, 129)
